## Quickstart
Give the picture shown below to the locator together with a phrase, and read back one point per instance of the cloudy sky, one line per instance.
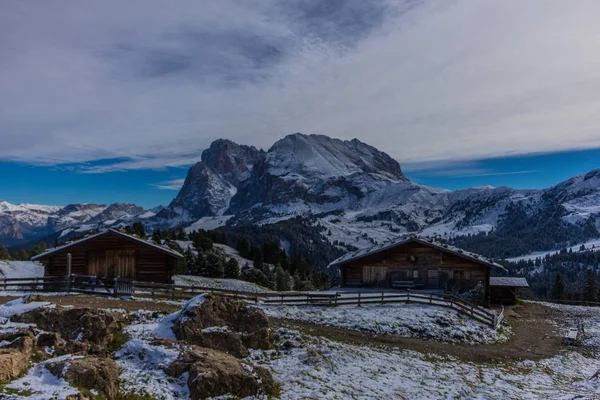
(106, 92)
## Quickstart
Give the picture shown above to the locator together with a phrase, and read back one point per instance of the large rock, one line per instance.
(95, 327)
(97, 373)
(214, 373)
(224, 324)
(14, 358)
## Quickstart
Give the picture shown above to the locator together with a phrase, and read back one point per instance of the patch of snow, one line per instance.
(406, 320)
(164, 327)
(21, 269)
(40, 384)
(218, 283)
(209, 223)
(142, 365)
(322, 369)
(18, 306)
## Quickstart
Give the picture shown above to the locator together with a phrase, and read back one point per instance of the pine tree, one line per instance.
(139, 230)
(39, 248)
(282, 279)
(4, 255)
(214, 266)
(157, 236)
(558, 289)
(259, 260)
(232, 269)
(190, 261)
(243, 248)
(591, 291)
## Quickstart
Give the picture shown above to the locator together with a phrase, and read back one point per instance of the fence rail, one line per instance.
(128, 287)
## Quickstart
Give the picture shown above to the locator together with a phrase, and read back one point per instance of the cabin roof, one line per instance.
(508, 281)
(160, 248)
(352, 256)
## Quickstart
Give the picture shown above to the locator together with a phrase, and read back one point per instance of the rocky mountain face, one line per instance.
(349, 191)
(212, 182)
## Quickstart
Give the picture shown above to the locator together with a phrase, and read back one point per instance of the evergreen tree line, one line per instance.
(522, 230)
(565, 276)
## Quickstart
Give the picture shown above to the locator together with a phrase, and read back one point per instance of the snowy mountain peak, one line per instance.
(319, 155)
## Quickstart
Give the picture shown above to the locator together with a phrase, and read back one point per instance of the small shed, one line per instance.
(110, 254)
(504, 290)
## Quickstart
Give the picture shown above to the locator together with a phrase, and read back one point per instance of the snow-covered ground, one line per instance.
(231, 252)
(589, 316)
(317, 368)
(406, 320)
(20, 269)
(217, 283)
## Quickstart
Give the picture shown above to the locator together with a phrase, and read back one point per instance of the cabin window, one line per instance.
(416, 274)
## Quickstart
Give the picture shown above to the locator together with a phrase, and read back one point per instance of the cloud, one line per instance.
(174, 184)
(150, 85)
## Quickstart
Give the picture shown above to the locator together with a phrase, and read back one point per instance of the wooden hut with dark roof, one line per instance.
(111, 254)
(416, 263)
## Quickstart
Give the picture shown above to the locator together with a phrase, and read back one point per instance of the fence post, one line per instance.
(336, 297)
(382, 301)
(69, 265)
(115, 289)
(407, 296)
(430, 297)
(359, 299)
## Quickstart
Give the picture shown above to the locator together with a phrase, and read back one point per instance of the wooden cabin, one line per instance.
(415, 263)
(505, 290)
(112, 254)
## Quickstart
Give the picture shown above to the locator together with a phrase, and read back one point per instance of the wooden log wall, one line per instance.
(112, 255)
(434, 268)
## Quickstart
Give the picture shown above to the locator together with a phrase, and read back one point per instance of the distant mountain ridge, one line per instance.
(354, 193)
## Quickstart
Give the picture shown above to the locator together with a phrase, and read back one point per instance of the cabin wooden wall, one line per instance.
(435, 269)
(98, 256)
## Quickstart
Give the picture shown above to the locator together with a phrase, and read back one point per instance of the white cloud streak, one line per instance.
(174, 184)
(151, 84)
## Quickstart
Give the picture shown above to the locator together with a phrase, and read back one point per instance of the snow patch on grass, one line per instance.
(142, 365)
(406, 320)
(218, 283)
(21, 269)
(18, 306)
(40, 384)
(309, 367)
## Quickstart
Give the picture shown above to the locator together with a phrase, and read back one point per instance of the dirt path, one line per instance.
(100, 302)
(534, 338)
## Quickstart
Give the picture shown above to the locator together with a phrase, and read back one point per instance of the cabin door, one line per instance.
(433, 278)
(120, 263)
(375, 276)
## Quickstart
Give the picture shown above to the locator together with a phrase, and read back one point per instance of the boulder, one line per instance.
(226, 341)
(98, 373)
(213, 373)
(29, 298)
(225, 324)
(95, 327)
(14, 358)
(50, 339)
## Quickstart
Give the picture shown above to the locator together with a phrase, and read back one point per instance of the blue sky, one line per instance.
(149, 188)
(104, 100)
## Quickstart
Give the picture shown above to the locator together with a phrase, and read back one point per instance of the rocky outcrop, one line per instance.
(213, 373)
(225, 324)
(91, 373)
(14, 357)
(95, 328)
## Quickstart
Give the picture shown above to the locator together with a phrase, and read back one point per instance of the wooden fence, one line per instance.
(128, 287)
